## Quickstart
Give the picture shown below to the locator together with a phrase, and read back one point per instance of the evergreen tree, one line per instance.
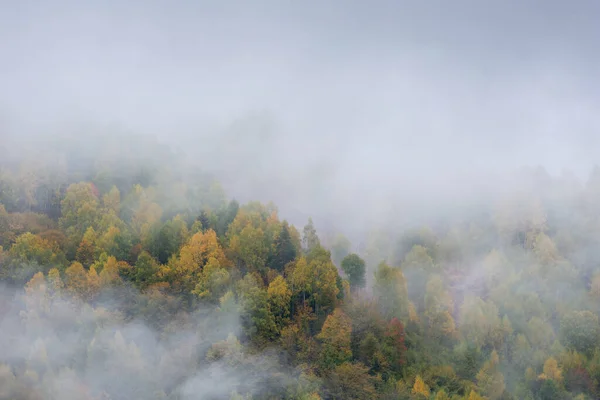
(285, 251)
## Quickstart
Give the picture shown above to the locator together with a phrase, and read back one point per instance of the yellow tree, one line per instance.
(183, 272)
(551, 371)
(279, 296)
(316, 282)
(32, 248)
(87, 247)
(475, 396)
(76, 280)
(545, 249)
(335, 339)
(107, 242)
(420, 388)
(442, 395)
(110, 273)
(93, 284)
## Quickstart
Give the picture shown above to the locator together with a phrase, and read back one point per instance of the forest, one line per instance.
(127, 274)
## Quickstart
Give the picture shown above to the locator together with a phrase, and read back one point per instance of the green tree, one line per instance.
(213, 281)
(80, 210)
(257, 320)
(391, 291)
(285, 250)
(355, 268)
(145, 270)
(164, 240)
(579, 330)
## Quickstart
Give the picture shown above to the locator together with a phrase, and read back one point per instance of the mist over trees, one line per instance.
(132, 277)
(238, 200)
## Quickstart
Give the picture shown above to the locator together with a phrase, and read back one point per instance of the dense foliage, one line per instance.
(142, 281)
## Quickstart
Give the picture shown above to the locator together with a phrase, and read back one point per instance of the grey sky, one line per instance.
(393, 93)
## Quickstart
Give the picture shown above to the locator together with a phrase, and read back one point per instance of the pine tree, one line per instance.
(285, 251)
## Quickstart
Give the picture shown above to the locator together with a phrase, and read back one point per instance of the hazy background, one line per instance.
(339, 109)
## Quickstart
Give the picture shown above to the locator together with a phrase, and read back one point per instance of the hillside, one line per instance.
(127, 274)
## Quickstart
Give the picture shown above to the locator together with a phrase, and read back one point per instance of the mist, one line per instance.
(371, 105)
(455, 140)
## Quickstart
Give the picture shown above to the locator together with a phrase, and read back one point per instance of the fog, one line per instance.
(95, 351)
(362, 106)
(369, 117)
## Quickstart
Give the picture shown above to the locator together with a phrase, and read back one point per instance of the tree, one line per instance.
(182, 272)
(112, 201)
(31, 248)
(164, 240)
(6, 235)
(351, 381)
(79, 210)
(285, 250)
(279, 301)
(76, 280)
(354, 267)
(551, 371)
(250, 248)
(144, 271)
(579, 330)
(86, 251)
(479, 321)
(110, 273)
(489, 379)
(257, 320)
(93, 284)
(335, 340)
(55, 283)
(420, 388)
(438, 308)
(474, 396)
(394, 348)
(37, 293)
(225, 217)
(310, 240)
(391, 291)
(315, 281)
(212, 281)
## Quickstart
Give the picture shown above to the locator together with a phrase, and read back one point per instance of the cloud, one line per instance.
(58, 348)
